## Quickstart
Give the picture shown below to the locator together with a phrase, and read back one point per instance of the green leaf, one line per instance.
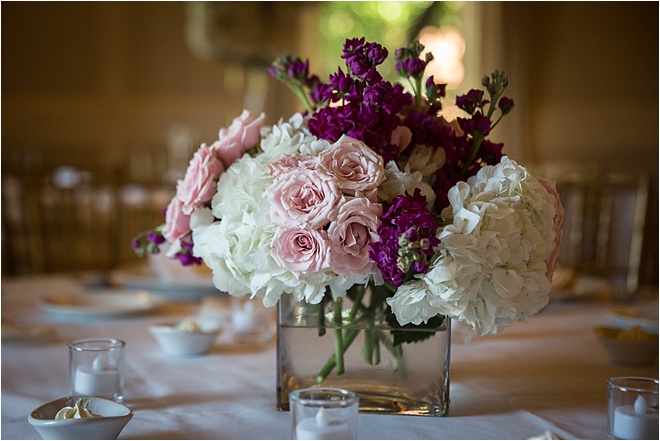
(413, 333)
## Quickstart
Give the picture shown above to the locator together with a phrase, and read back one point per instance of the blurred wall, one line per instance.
(588, 76)
(108, 85)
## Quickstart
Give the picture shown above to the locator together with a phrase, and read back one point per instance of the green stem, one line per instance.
(300, 93)
(369, 339)
(473, 154)
(376, 355)
(356, 304)
(493, 104)
(321, 314)
(397, 351)
(339, 336)
(496, 122)
(348, 339)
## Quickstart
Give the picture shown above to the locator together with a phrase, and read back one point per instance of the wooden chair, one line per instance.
(64, 220)
(604, 225)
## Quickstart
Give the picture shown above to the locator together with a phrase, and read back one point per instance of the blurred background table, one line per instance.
(546, 375)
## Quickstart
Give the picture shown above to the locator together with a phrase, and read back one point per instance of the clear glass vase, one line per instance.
(350, 344)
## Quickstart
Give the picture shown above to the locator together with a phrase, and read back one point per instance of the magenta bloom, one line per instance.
(407, 238)
(370, 106)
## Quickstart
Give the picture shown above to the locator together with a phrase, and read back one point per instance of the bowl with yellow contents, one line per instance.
(80, 417)
(629, 347)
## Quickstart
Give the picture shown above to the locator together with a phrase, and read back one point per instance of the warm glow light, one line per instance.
(448, 47)
(389, 10)
(451, 112)
(340, 22)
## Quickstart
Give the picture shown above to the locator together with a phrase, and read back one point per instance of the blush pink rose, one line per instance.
(552, 263)
(356, 168)
(303, 197)
(199, 184)
(177, 223)
(291, 162)
(301, 250)
(350, 236)
(240, 136)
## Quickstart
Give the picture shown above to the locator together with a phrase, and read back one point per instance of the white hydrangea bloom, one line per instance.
(237, 247)
(489, 269)
(289, 138)
(241, 190)
(427, 160)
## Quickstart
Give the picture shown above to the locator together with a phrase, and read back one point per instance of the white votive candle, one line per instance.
(244, 318)
(322, 426)
(636, 422)
(97, 379)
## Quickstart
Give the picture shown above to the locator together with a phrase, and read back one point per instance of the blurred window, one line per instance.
(438, 25)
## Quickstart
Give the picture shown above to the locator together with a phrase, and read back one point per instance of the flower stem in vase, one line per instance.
(339, 336)
(321, 315)
(371, 346)
(343, 338)
(347, 340)
(397, 351)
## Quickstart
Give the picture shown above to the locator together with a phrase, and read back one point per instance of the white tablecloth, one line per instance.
(546, 375)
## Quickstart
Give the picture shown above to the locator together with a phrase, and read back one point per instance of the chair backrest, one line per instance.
(65, 221)
(604, 225)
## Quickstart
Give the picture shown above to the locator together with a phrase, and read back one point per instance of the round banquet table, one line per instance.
(547, 375)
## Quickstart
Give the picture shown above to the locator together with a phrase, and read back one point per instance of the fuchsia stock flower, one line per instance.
(407, 238)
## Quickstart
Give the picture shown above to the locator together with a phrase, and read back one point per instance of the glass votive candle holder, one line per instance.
(251, 321)
(96, 368)
(324, 413)
(632, 408)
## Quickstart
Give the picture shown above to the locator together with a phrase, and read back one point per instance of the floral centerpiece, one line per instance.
(371, 206)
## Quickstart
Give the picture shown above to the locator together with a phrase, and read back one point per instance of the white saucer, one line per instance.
(176, 289)
(645, 317)
(105, 303)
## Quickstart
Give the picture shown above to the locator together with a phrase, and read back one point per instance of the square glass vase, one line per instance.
(395, 370)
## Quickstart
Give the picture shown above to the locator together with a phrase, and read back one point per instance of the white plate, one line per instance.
(177, 289)
(581, 287)
(107, 303)
(644, 315)
(26, 334)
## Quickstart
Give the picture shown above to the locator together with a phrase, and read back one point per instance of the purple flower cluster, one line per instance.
(148, 242)
(470, 151)
(408, 63)
(185, 255)
(370, 106)
(407, 238)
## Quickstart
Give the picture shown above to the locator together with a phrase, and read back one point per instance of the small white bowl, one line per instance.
(112, 418)
(182, 343)
(628, 353)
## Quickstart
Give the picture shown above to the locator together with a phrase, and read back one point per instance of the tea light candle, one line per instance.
(97, 379)
(322, 426)
(636, 422)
